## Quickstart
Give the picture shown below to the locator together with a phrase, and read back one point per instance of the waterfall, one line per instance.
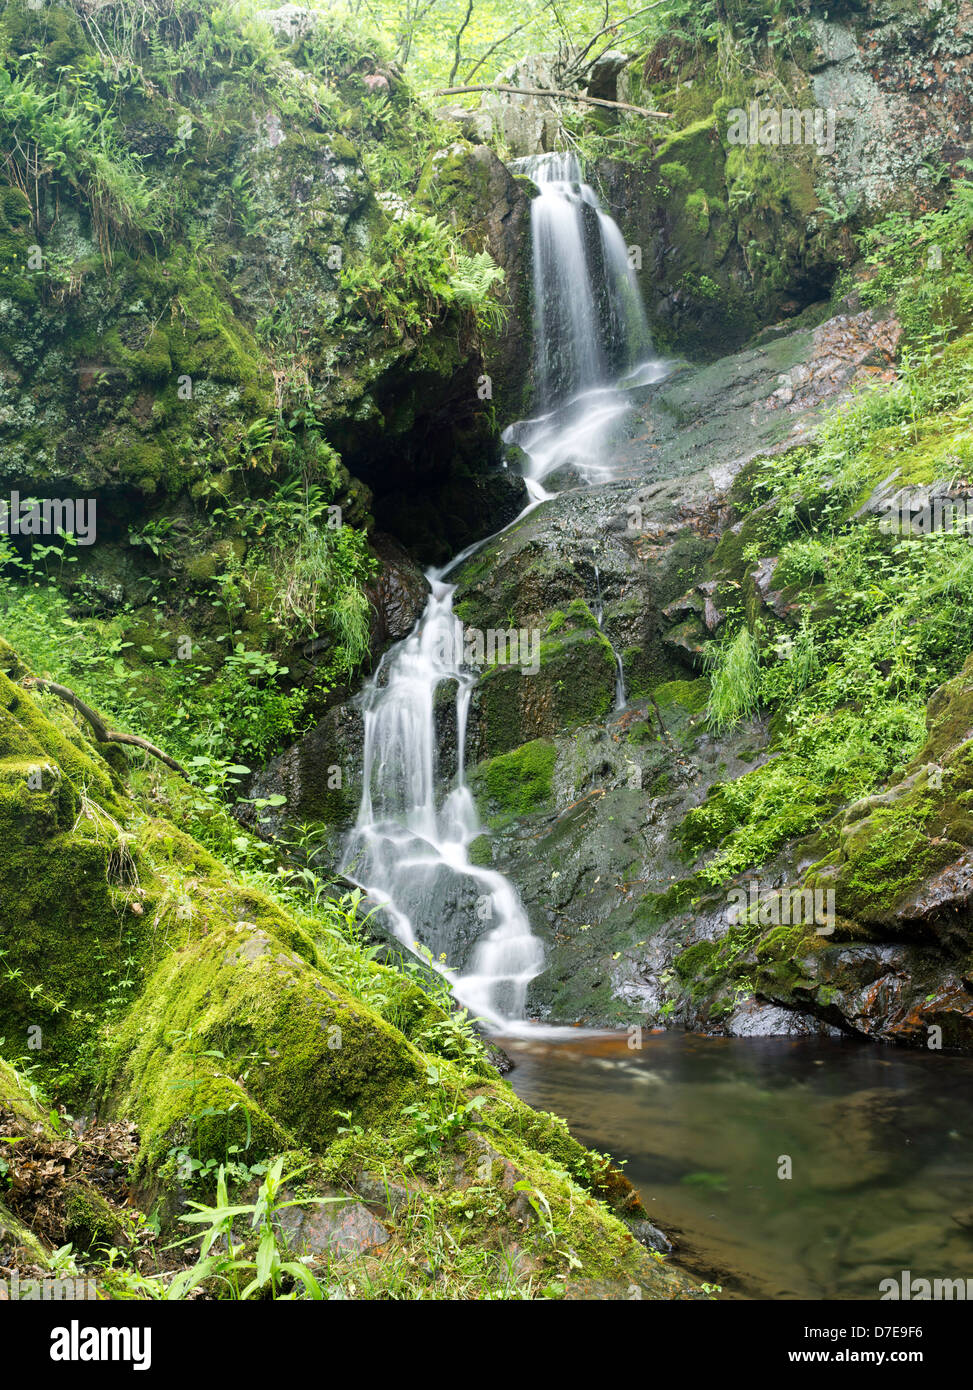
(590, 329)
(589, 321)
(410, 844)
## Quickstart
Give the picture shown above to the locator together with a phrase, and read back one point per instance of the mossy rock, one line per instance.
(519, 782)
(574, 685)
(246, 993)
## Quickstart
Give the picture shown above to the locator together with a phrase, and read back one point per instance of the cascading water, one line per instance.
(409, 848)
(410, 844)
(589, 322)
(590, 327)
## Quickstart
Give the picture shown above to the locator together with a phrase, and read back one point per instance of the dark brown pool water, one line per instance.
(878, 1143)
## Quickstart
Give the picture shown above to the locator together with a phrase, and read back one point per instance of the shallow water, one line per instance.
(879, 1143)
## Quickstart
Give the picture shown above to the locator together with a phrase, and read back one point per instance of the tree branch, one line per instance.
(459, 34)
(552, 92)
(100, 729)
(576, 64)
(499, 42)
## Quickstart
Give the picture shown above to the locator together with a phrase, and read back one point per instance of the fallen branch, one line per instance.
(100, 729)
(549, 92)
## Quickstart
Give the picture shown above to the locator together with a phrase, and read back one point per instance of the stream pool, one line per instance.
(879, 1143)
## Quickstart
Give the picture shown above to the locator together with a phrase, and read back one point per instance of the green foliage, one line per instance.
(734, 670)
(416, 272)
(884, 619)
(237, 1265)
(68, 138)
(437, 1124)
(921, 266)
(188, 707)
(428, 37)
(306, 572)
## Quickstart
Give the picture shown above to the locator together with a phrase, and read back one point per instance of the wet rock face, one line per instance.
(904, 994)
(631, 933)
(851, 347)
(900, 84)
(320, 777)
(398, 593)
(547, 580)
(595, 866)
(591, 848)
(583, 803)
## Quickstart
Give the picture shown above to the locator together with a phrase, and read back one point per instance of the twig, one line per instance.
(459, 35)
(577, 64)
(100, 729)
(498, 44)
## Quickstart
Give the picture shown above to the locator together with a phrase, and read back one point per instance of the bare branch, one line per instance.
(552, 92)
(100, 729)
(494, 46)
(576, 63)
(459, 34)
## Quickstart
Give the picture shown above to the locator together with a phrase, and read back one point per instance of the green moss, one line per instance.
(696, 960)
(520, 781)
(481, 852)
(655, 908)
(90, 1222)
(18, 1096)
(888, 853)
(691, 696)
(580, 614)
(575, 685)
(236, 1035)
(674, 174)
(698, 210)
(246, 994)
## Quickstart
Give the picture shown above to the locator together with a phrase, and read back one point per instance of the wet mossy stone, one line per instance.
(234, 1035)
(575, 684)
(520, 781)
(241, 992)
(902, 853)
